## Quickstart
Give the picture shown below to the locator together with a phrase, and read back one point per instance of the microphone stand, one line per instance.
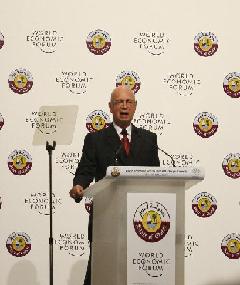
(50, 148)
(167, 154)
(116, 157)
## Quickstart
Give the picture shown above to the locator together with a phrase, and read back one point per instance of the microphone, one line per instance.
(116, 162)
(172, 160)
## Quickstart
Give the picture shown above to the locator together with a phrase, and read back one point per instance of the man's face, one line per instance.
(122, 106)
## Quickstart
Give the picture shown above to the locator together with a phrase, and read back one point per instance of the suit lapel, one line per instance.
(135, 141)
(112, 138)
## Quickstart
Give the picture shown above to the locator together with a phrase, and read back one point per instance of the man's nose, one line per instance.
(124, 104)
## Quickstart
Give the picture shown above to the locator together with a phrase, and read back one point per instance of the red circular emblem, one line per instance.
(151, 221)
(20, 81)
(231, 246)
(98, 42)
(1, 121)
(204, 205)
(205, 44)
(19, 162)
(231, 84)
(18, 244)
(1, 40)
(205, 124)
(129, 79)
(231, 165)
(97, 120)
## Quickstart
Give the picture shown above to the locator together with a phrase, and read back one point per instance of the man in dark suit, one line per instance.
(120, 143)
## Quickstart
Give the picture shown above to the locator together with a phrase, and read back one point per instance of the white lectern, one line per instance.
(145, 244)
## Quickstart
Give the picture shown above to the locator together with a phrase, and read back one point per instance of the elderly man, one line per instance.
(121, 141)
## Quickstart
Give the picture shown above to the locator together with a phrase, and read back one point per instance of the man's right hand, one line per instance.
(76, 192)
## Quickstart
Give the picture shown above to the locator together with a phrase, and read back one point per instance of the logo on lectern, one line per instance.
(151, 221)
(231, 165)
(88, 204)
(205, 44)
(231, 246)
(18, 244)
(153, 263)
(129, 79)
(204, 205)
(115, 172)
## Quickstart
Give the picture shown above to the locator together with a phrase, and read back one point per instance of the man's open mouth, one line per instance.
(124, 113)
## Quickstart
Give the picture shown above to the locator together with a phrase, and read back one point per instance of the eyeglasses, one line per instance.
(121, 102)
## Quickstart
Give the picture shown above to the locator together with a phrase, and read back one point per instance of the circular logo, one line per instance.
(72, 243)
(97, 120)
(98, 42)
(205, 124)
(20, 81)
(19, 162)
(204, 205)
(129, 79)
(1, 40)
(231, 165)
(1, 121)
(231, 84)
(231, 246)
(46, 40)
(205, 44)
(18, 244)
(183, 83)
(154, 42)
(155, 122)
(39, 202)
(151, 221)
(115, 172)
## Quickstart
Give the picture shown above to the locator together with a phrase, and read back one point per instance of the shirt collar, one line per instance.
(118, 129)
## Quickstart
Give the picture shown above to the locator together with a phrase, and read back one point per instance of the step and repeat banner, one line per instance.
(59, 63)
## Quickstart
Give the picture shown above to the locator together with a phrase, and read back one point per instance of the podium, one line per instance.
(139, 225)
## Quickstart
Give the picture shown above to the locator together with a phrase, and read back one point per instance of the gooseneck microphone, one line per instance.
(167, 154)
(117, 151)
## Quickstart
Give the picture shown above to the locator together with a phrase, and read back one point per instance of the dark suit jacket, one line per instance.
(101, 148)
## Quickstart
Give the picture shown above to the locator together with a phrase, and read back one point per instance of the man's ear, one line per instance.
(110, 107)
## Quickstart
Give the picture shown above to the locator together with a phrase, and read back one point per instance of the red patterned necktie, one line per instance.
(125, 141)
